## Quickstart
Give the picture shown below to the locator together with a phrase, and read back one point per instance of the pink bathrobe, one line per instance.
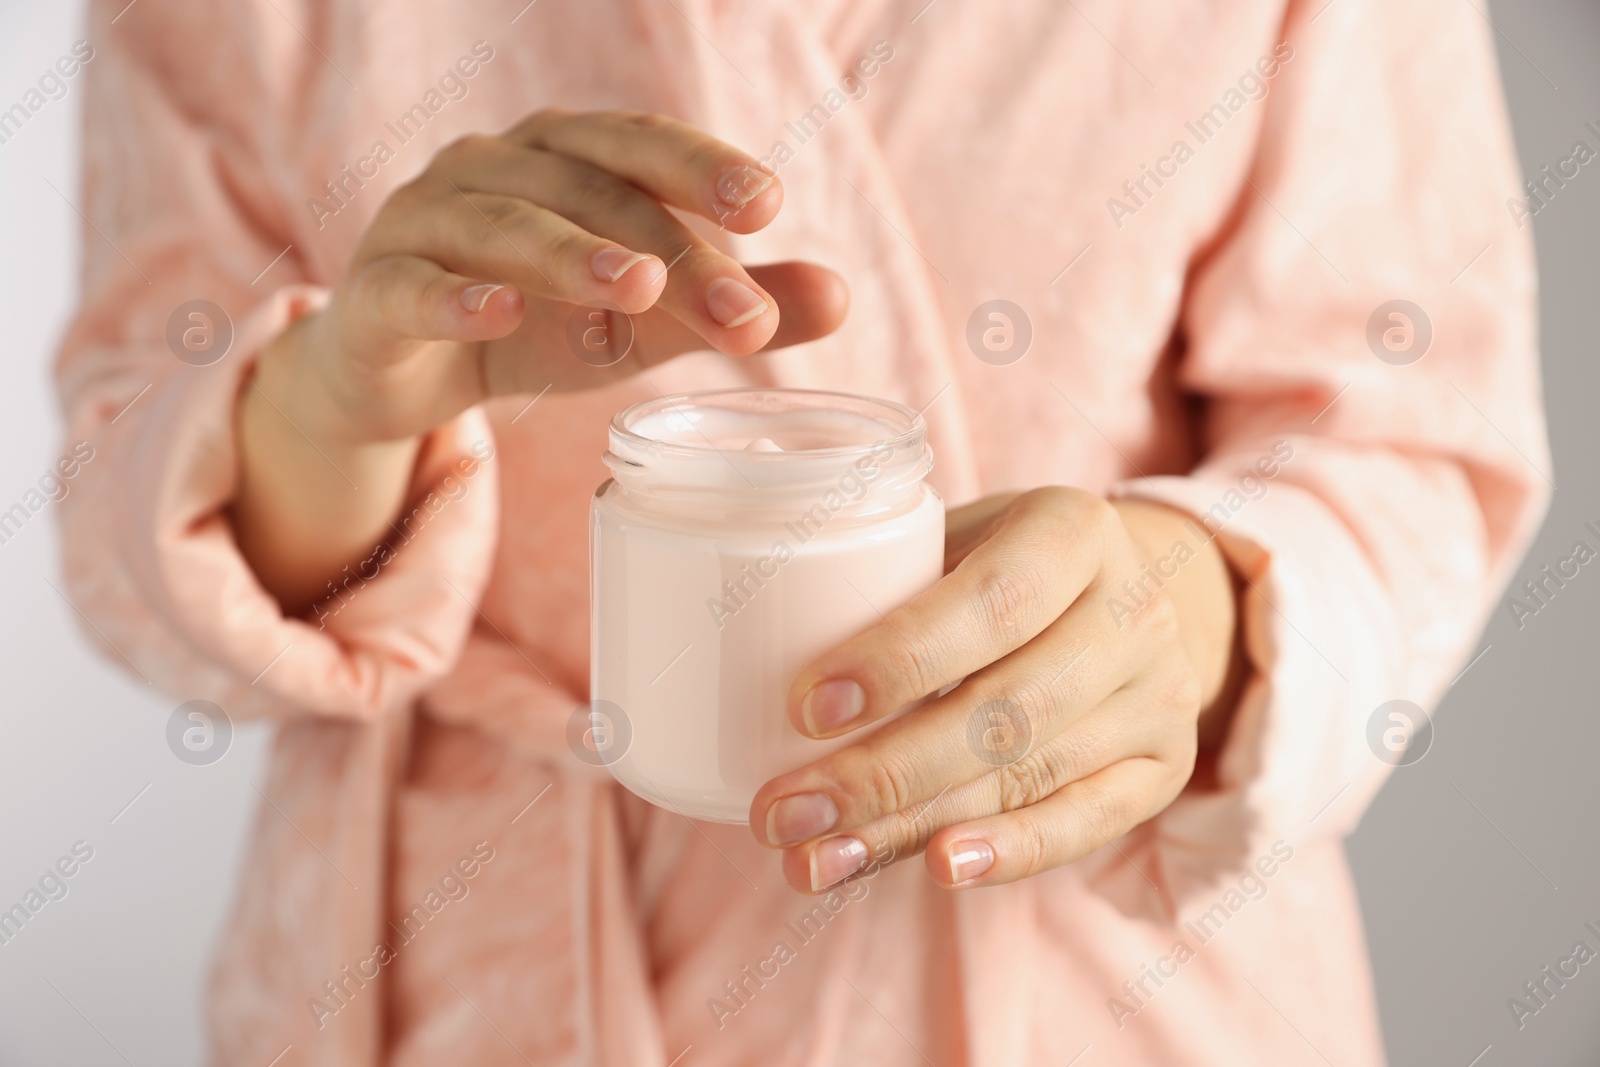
(437, 880)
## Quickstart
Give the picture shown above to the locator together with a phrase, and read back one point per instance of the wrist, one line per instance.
(311, 495)
(290, 383)
(1205, 592)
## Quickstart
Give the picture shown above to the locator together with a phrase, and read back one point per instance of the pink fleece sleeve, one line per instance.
(1402, 493)
(179, 209)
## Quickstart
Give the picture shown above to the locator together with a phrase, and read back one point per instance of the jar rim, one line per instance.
(915, 426)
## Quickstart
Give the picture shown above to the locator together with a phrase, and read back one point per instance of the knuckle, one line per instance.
(1026, 782)
(1048, 497)
(920, 820)
(1166, 627)
(466, 147)
(1183, 690)
(641, 122)
(889, 784)
(1063, 500)
(1033, 698)
(600, 192)
(1005, 596)
(913, 663)
(502, 212)
(1156, 621)
(407, 198)
(1079, 512)
(537, 122)
(1098, 514)
(1063, 518)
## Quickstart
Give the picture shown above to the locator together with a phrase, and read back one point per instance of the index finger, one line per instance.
(1039, 558)
(671, 160)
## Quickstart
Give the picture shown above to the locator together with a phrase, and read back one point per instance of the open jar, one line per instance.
(743, 533)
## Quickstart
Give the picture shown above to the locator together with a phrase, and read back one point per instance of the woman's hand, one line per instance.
(1076, 722)
(466, 285)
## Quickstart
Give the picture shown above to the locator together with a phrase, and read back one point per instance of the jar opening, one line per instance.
(763, 440)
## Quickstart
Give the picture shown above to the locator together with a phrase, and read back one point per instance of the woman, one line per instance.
(366, 521)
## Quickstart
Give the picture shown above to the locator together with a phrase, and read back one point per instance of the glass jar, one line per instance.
(743, 533)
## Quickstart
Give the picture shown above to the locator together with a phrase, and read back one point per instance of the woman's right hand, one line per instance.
(465, 286)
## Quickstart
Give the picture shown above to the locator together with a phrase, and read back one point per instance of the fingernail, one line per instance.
(473, 297)
(733, 304)
(742, 184)
(969, 859)
(792, 820)
(829, 705)
(609, 264)
(835, 860)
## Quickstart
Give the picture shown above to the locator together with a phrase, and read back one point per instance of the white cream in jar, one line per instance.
(743, 533)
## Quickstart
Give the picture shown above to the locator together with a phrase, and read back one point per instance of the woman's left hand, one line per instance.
(1077, 719)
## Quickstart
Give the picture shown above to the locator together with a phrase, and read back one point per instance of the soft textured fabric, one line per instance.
(1178, 335)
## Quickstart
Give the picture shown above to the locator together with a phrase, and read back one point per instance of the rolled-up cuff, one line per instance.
(398, 617)
(1322, 649)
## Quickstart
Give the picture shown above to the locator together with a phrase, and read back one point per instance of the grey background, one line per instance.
(1465, 899)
